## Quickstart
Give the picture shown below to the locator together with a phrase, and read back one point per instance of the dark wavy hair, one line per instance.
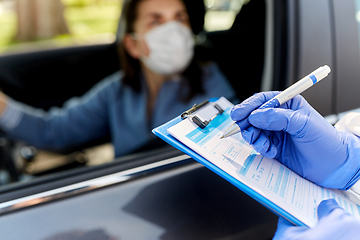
(192, 76)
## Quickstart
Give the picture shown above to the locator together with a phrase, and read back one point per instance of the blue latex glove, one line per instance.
(300, 138)
(334, 223)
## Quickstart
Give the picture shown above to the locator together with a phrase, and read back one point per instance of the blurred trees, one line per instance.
(39, 19)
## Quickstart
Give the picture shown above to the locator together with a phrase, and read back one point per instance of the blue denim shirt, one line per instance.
(108, 108)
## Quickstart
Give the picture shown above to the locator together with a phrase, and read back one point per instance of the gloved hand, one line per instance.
(349, 123)
(299, 137)
(334, 223)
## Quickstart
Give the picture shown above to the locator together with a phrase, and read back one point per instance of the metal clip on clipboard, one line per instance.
(202, 124)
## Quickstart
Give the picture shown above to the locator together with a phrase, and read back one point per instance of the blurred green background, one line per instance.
(88, 21)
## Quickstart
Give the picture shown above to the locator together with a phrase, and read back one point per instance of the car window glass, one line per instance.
(89, 22)
(38, 24)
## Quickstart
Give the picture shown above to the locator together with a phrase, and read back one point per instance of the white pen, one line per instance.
(287, 94)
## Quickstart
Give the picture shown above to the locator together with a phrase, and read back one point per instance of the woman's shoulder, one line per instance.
(111, 83)
(212, 75)
(215, 82)
(112, 80)
(210, 68)
(104, 90)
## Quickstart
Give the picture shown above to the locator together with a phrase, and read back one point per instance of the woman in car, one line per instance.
(159, 79)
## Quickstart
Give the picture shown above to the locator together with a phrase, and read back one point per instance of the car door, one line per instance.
(161, 194)
(316, 36)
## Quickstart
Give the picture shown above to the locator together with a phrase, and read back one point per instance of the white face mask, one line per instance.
(171, 48)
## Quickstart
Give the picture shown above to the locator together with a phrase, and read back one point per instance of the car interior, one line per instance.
(239, 51)
(47, 78)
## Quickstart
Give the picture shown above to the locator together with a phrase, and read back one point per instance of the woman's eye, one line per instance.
(183, 19)
(154, 22)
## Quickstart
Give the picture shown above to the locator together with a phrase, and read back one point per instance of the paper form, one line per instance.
(272, 180)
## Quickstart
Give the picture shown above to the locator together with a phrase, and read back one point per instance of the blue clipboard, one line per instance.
(162, 133)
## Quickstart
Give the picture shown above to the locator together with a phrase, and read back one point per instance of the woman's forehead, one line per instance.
(162, 7)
